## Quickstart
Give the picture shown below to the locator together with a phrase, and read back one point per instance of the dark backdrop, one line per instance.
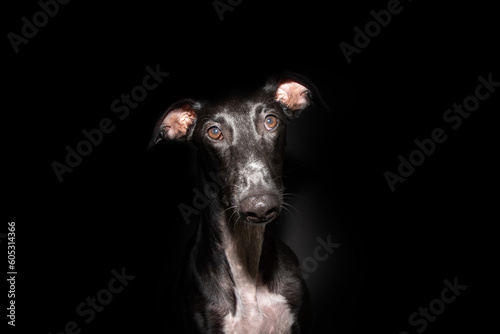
(118, 207)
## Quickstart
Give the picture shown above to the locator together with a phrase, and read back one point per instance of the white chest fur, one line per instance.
(258, 311)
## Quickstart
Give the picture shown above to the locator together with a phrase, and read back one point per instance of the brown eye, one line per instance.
(270, 122)
(214, 133)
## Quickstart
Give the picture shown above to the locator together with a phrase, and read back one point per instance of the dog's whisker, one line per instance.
(291, 214)
(291, 206)
(231, 207)
(237, 220)
(232, 217)
(294, 195)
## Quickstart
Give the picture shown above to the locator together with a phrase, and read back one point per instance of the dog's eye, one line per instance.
(270, 122)
(214, 133)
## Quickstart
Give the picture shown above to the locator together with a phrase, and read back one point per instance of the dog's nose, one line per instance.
(260, 209)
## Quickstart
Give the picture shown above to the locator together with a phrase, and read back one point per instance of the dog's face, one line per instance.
(241, 139)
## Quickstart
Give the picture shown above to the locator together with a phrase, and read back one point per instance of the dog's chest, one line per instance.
(259, 311)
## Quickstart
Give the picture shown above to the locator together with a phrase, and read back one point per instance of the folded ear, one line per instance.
(294, 92)
(177, 122)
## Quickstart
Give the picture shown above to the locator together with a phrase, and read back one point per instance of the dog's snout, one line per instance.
(260, 209)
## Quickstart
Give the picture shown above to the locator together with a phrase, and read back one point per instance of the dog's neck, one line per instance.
(239, 242)
(243, 248)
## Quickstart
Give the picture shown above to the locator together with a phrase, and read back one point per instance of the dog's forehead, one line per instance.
(238, 108)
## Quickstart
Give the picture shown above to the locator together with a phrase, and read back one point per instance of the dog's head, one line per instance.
(241, 140)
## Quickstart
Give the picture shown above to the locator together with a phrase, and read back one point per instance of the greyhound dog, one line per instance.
(238, 278)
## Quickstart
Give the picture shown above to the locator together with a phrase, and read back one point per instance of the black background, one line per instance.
(119, 207)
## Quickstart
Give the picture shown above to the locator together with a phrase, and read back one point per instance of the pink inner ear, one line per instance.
(177, 122)
(292, 94)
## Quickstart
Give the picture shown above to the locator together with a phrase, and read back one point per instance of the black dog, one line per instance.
(238, 278)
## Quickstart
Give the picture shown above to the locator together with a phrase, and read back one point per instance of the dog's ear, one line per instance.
(294, 92)
(177, 122)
